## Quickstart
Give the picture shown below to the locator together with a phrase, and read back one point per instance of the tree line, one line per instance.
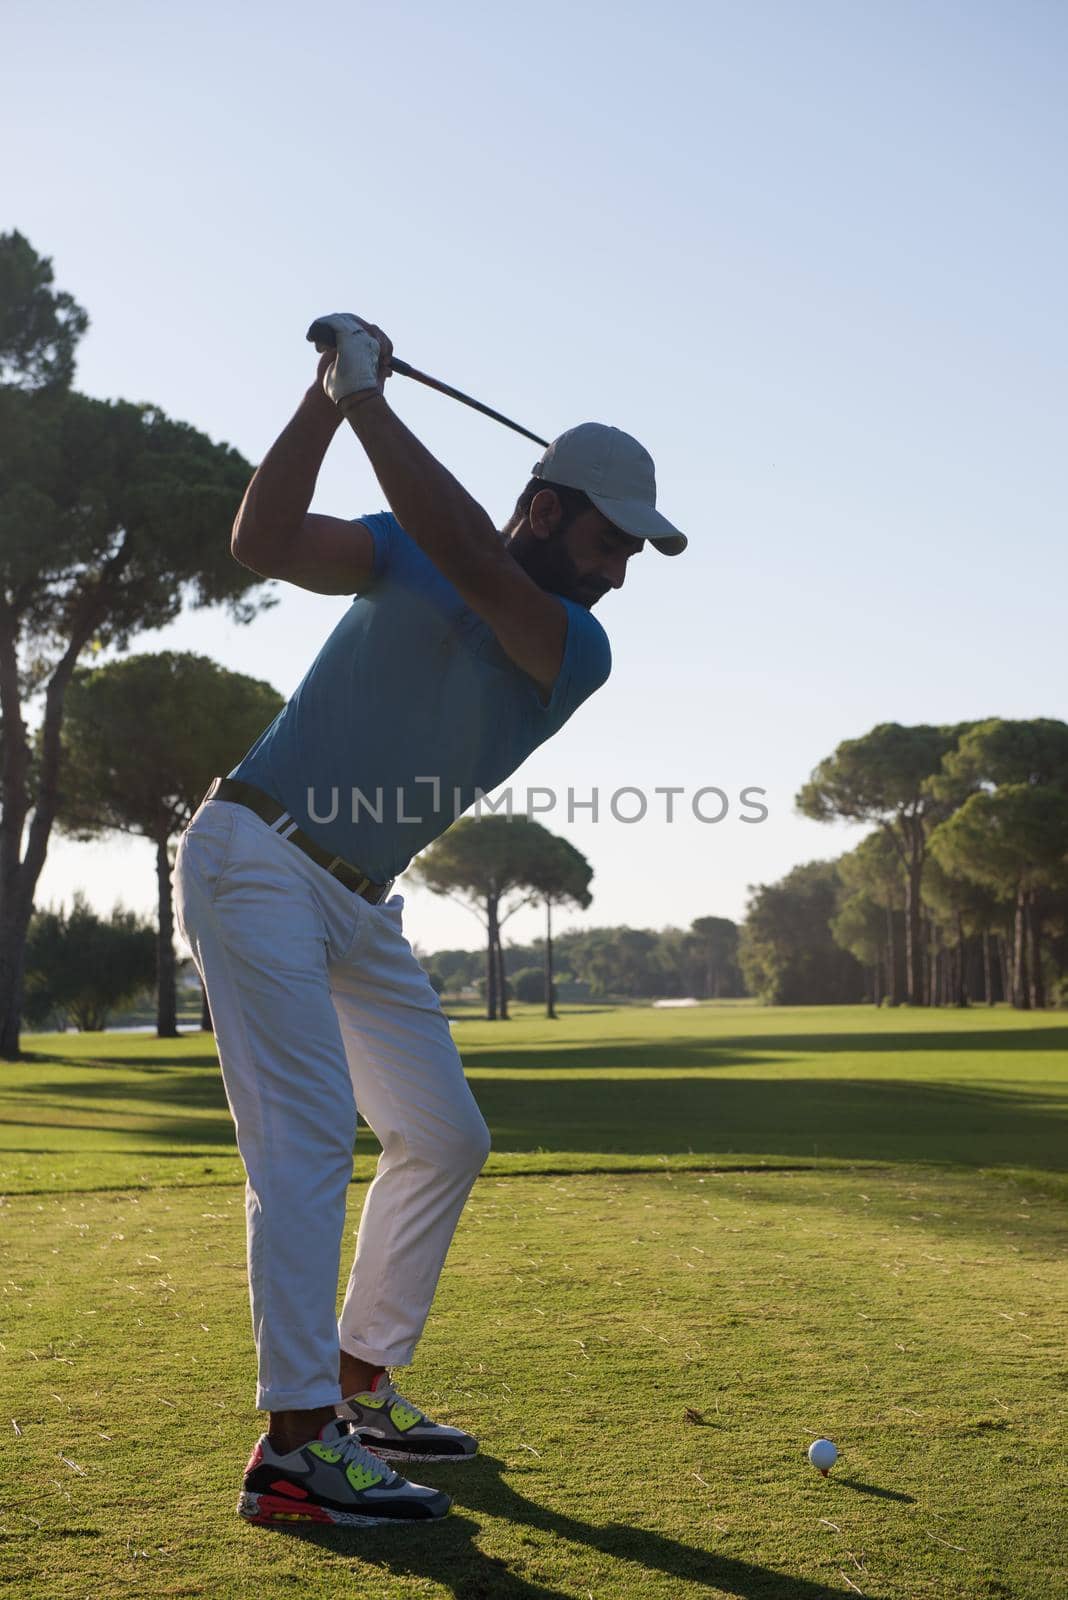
(496, 865)
(988, 920)
(959, 893)
(611, 963)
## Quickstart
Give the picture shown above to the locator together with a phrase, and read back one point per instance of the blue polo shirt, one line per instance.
(410, 709)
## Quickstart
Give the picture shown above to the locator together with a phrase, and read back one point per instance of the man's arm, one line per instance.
(436, 511)
(458, 536)
(275, 535)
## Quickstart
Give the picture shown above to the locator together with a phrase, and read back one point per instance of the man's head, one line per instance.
(566, 545)
(589, 507)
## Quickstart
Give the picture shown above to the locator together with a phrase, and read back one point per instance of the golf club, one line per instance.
(321, 335)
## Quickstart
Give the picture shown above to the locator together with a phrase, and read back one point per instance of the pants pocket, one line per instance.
(201, 858)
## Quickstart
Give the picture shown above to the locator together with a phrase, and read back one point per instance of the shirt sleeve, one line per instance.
(383, 528)
(586, 665)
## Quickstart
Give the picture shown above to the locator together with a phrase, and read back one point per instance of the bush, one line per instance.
(80, 967)
(569, 989)
(528, 984)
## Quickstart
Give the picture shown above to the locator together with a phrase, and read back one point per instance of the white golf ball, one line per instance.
(823, 1455)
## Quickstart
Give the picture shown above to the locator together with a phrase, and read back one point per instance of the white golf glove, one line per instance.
(358, 353)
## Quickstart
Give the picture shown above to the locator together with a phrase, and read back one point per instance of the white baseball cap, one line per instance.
(617, 474)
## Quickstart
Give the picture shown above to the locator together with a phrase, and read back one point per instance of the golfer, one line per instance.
(463, 650)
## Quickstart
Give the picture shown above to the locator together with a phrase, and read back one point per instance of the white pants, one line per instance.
(319, 1007)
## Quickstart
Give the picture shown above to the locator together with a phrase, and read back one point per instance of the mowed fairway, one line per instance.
(704, 1237)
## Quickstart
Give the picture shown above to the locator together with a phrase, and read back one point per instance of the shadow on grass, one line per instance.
(1001, 1041)
(447, 1552)
(750, 1049)
(27, 1535)
(200, 1053)
(841, 1119)
(686, 1051)
(880, 1494)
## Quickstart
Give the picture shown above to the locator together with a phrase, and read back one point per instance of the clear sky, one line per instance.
(813, 255)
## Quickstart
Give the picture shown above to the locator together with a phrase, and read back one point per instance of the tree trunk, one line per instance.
(19, 872)
(166, 998)
(891, 958)
(933, 972)
(915, 943)
(550, 1001)
(491, 958)
(1020, 988)
(961, 996)
(1001, 947)
(1034, 951)
(502, 979)
(988, 975)
(206, 1022)
(16, 904)
(13, 930)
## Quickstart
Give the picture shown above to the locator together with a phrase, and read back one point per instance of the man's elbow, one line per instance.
(240, 552)
(248, 551)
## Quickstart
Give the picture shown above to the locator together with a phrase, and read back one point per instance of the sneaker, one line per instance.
(398, 1431)
(332, 1479)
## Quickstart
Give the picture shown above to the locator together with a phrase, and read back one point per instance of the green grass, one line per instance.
(784, 1222)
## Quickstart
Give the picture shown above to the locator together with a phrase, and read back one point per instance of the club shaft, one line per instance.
(407, 371)
(323, 336)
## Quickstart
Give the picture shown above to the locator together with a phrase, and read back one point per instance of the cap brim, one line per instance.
(643, 522)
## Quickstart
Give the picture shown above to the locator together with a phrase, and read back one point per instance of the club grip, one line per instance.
(322, 336)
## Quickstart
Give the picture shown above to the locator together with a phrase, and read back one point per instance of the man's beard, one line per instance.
(547, 561)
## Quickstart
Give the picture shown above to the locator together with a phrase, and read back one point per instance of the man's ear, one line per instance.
(545, 514)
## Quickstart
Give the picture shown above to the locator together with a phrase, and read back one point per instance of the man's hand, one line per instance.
(360, 363)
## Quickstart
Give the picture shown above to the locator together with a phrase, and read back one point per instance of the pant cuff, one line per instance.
(398, 1356)
(298, 1399)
